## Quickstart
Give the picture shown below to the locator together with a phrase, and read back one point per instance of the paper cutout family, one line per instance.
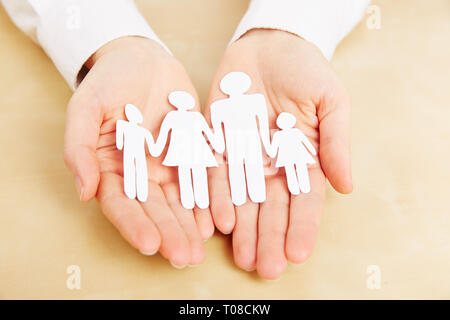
(245, 126)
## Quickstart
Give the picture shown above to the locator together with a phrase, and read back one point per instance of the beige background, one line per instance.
(398, 218)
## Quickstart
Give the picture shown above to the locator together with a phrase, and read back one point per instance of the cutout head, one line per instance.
(181, 100)
(235, 83)
(133, 114)
(286, 120)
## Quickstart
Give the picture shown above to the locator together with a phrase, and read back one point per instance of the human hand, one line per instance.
(138, 71)
(294, 77)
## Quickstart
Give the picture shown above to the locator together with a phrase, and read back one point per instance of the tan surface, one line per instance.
(398, 217)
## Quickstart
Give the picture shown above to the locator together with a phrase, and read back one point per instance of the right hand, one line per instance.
(294, 77)
(138, 71)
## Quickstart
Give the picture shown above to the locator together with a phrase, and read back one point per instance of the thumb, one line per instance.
(80, 142)
(334, 118)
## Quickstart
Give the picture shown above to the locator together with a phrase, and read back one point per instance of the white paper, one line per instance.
(188, 150)
(292, 149)
(132, 138)
(241, 114)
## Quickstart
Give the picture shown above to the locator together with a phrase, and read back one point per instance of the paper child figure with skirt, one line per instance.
(292, 147)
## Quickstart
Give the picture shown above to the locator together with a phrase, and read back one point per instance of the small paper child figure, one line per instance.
(132, 139)
(292, 147)
(188, 150)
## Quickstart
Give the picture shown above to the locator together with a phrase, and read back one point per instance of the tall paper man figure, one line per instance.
(240, 115)
(132, 139)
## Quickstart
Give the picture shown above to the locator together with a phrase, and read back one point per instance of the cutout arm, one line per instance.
(219, 139)
(261, 113)
(308, 144)
(150, 142)
(210, 135)
(119, 134)
(273, 147)
(162, 137)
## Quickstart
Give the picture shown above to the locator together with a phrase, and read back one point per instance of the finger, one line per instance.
(205, 223)
(80, 140)
(304, 218)
(127, 215)
(222, 208)
(272, 225)
(245, 236)
(186, 220)
(174, 244)
(334, 117)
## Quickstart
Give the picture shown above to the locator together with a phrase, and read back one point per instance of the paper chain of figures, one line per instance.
(245, 122)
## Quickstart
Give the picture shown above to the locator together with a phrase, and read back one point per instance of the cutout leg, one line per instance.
(238, 188)
(129, 177)
(292, 179)
(186, 192)
(303, 178)
(141, 179)
(256, 183)
(200, 182)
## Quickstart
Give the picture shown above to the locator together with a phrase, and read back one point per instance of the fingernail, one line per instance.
(148, 253)
(79, 186)
(176, 266)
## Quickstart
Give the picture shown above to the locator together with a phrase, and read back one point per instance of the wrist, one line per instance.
(270, 35)
(135, 44)
(279, 40)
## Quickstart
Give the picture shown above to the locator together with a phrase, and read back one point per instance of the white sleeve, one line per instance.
(70, 31)
(322, 22)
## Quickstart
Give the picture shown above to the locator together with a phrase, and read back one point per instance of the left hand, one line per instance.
(139, 71)
(294, 77)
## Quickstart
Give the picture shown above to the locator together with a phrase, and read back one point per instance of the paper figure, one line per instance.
(292, 147)
(241, 114)
(132, 138)
(188, 150)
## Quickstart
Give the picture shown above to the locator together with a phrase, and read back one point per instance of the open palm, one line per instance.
(294, 77)
(137, 71)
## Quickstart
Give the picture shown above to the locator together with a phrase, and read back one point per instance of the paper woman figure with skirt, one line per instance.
(188, 149)
(292, 147)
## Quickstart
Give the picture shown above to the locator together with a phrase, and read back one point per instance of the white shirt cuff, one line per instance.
(70, 31)
(323, 22)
